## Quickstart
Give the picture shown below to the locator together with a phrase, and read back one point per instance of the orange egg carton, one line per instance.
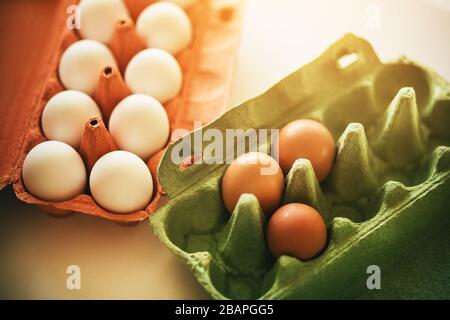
(34, 38)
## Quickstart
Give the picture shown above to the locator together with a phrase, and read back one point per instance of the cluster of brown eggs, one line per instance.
(294, 229)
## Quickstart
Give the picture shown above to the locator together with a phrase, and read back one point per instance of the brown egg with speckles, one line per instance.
(296, 230)
(307, 139)
(255, 173)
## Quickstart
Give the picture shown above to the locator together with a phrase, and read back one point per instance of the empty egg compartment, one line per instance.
(386, 195)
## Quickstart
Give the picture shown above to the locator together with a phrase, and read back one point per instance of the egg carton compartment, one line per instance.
(207, 66)
(385, 202)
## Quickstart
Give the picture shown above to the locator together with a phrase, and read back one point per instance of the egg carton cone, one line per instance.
(207, 66)
(95, 142)
(302, 187)
(111, 89)
(385, 203)
(125, 42)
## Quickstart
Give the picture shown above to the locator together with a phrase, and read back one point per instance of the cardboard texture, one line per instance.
(385, 202)
(31, 79)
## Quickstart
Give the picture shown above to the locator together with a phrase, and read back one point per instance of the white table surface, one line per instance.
(128, 262)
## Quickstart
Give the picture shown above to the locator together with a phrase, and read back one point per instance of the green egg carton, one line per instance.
(386, 202)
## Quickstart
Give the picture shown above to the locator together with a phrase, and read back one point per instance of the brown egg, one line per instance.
(296, 230)
(255, 173)
(310, 140)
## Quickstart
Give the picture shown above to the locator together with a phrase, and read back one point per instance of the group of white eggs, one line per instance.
(120, 181)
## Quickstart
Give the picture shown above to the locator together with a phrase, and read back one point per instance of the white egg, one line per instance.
(54, 171)
(166, 26)
(99, 17)
(156, 73)
(139, 124)
(121, 182)
(82, 63)
(183, 3)
(65, 116)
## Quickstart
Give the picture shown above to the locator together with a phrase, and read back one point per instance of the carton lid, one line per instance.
(30, 34)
